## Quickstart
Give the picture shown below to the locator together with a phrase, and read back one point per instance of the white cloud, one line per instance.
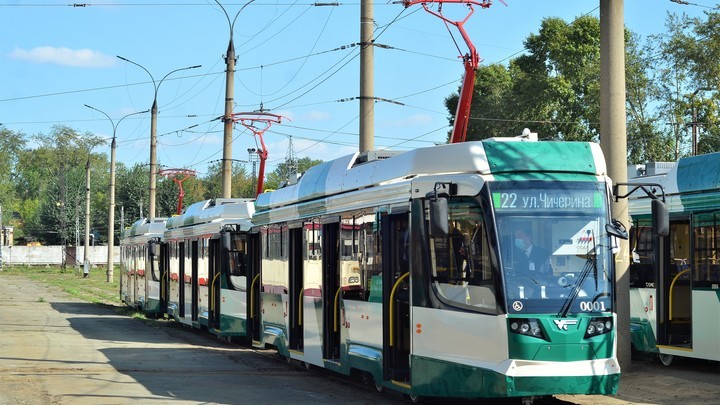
(85, 58)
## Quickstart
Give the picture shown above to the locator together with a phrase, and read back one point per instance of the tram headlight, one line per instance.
(598, 326)
(527, 327)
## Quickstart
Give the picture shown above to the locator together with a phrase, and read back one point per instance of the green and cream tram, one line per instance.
(408, 269)
(140, 274)
(205, 254)
(675, 289)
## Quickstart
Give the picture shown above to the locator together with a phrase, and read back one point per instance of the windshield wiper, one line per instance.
(590, 264)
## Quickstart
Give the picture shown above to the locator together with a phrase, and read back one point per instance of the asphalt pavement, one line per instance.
(58, 350)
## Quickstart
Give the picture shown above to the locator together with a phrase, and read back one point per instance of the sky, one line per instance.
(295, 58)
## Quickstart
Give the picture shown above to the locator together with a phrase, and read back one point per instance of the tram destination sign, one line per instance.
(545, 199)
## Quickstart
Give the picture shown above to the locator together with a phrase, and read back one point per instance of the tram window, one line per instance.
(706, 254)
(462, 275)
(642, 268)
(359, 261)
(237, 260)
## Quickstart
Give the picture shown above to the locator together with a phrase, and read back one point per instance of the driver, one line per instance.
(530, 259)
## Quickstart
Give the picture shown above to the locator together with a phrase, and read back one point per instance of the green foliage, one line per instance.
(286, 169)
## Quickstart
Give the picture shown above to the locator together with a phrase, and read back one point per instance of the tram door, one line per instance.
(216, 263)
(295, 306)
(331, 289)
(164, 278)
(181, 279)
(396, 296)
(675, 279)
(194, 268)
(253, 288)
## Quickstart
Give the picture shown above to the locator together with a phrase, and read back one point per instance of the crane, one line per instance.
(471, 60)
(250, 120)
(175, 174)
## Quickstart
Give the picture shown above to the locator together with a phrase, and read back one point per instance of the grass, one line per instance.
(94, 288)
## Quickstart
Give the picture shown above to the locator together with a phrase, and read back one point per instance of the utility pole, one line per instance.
(613, 142)
(229, 98)
(367, 78)
(86, 250)
(111, 210)
(153, 132)
(695, 124)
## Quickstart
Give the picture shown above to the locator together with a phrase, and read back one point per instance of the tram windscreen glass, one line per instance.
(555, 252)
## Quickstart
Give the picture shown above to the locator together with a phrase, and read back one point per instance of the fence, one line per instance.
(53, 255)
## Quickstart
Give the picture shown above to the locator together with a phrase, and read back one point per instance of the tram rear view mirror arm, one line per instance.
(660, 218)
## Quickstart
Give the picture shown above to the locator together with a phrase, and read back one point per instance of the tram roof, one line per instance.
(144, 227)
(689, 175)
(492, 156)
(219, 210)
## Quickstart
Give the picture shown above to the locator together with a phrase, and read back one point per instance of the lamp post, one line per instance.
(694, 124)
(229, 96)
(111, 211)
(153, 132)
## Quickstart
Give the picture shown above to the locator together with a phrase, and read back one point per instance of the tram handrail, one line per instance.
(252, 296)
(672, 285)
(337, 295)
(392, 304)
(300, 306)
(212, 292)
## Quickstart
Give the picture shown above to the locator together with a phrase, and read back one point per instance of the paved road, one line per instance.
(57, 350)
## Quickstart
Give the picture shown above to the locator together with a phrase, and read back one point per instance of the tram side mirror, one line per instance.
(226, 240)
(439, 218)
(154, 249)
(617, 229)
(660, 218)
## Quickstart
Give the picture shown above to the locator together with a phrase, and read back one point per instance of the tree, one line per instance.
(282, 173)
(554, 89)
(11, 146)
(132, 191)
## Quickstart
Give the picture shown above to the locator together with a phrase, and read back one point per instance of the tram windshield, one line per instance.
(555, 252)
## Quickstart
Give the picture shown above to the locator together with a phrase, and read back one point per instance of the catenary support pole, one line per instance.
(613, 141)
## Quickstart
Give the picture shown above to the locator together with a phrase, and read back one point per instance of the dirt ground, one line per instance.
(56, 350)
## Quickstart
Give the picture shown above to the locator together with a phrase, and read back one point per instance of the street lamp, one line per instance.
(694, 124)
(229, 96)
(153, 132)
(111, 211)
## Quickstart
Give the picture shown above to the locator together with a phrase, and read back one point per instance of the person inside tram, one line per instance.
(530, 259)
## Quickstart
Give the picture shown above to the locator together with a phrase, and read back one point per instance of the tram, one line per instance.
(205, 284)
(675, 288)
(140, 274)
(406, 268)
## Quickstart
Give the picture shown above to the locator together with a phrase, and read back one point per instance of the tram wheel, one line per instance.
(665, 359)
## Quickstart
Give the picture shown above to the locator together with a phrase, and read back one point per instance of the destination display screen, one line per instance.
(546, 199)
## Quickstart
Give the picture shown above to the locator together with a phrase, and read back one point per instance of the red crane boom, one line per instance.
(186, 173)
(249, 120)
(471, 61)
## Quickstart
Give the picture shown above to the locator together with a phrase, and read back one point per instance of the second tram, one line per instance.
(675, 288)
